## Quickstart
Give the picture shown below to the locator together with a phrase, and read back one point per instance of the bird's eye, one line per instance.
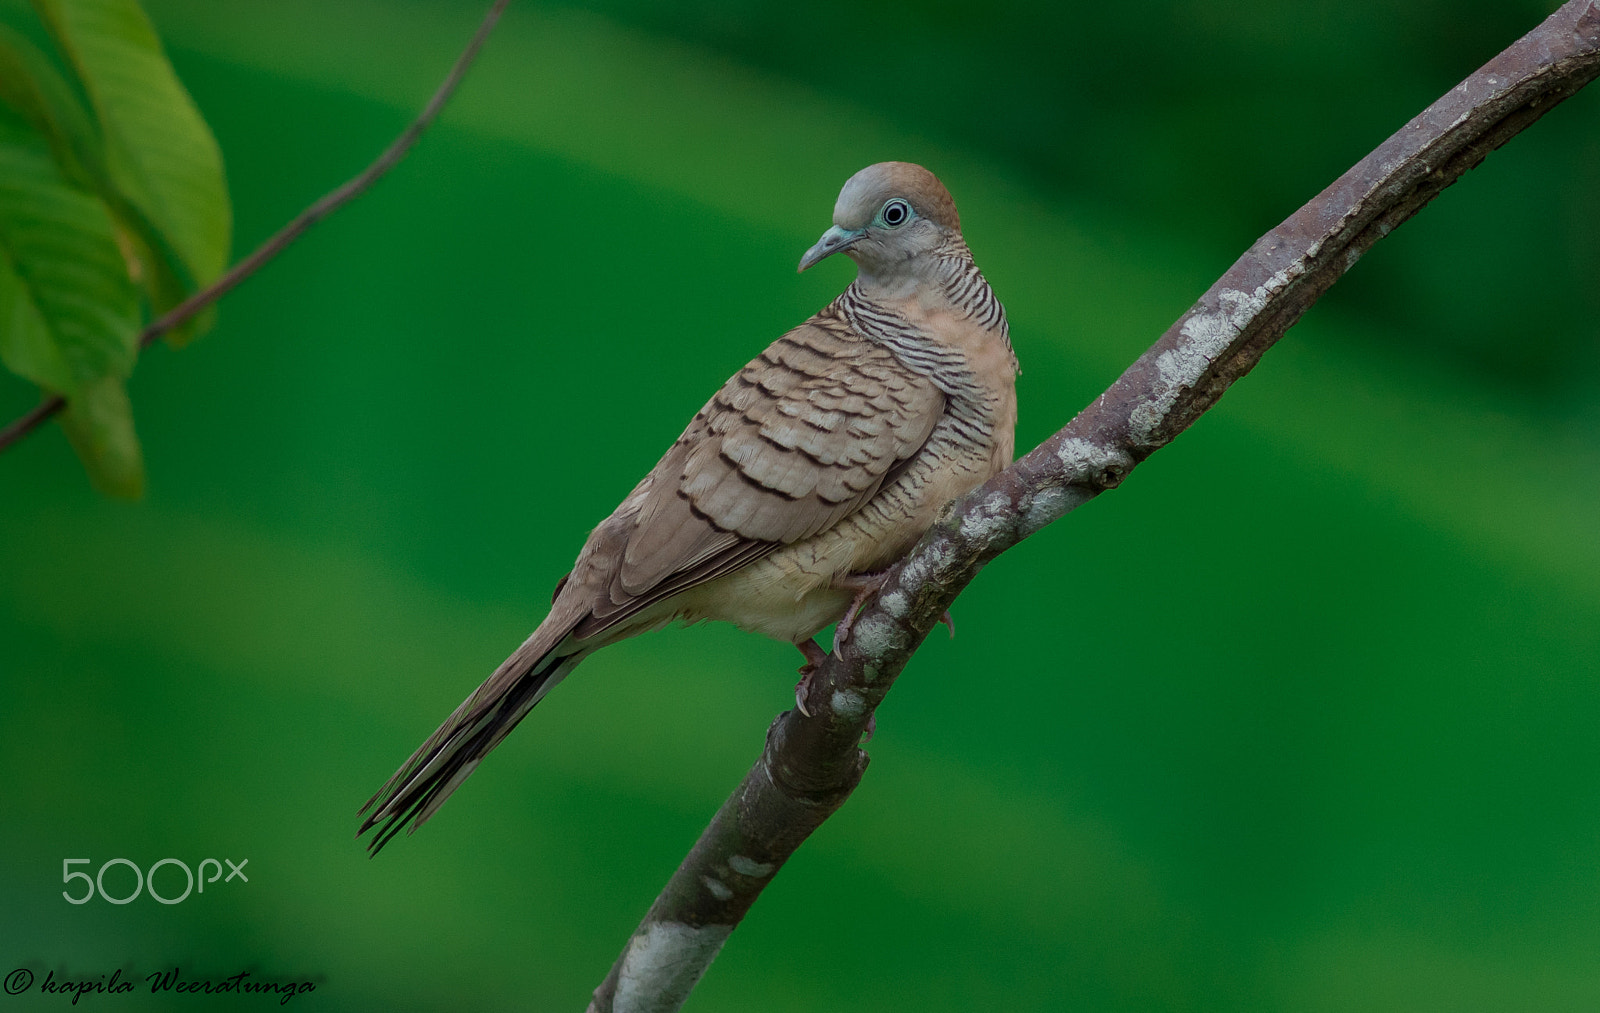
(895, 213)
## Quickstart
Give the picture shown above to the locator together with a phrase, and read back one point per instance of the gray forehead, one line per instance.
(862, 196)
(865, 193)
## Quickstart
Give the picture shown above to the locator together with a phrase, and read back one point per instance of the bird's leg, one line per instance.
(865, 585)
(815, 656)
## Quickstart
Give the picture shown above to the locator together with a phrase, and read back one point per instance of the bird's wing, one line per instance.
(795, 442)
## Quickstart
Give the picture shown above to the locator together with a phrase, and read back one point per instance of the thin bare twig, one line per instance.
(292, 231)
(811, 764)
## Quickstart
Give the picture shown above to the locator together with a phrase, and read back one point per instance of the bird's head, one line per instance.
(888, 215)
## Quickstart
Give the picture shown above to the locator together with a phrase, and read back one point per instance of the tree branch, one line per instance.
(811, 765)
(329, 203)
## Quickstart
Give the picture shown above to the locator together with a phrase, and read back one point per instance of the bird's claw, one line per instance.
(802, 689)
(815, 656)
(865, 585)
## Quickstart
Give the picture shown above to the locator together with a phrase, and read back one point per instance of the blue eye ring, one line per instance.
(895, 213)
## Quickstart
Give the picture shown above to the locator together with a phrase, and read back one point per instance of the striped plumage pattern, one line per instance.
(827, 456)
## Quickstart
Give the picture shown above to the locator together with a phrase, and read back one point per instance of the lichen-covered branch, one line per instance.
(811, 764)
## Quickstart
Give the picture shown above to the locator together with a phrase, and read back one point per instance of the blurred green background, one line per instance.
(1302, 718)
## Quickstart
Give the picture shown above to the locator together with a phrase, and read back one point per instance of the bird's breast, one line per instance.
(791, 594)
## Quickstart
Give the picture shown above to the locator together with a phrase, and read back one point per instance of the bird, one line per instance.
(788, 496)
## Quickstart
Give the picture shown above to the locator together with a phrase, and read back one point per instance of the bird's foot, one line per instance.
(815, 656)
(865, 585)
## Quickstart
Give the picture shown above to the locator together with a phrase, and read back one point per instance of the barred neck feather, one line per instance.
(863, 308)
(867, 306)
(956, 274)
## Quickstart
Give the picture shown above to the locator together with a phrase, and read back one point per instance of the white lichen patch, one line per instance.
(718, 888)
(878, 636)
(1206, 336)
(1051, 504)
(896, 603)
(847, 703)
(750, 867)
(934, 558)
(991, 518)
(1079, 457)
(663, 963)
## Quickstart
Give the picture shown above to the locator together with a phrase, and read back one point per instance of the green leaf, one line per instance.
(160, 156)
(27, 346)
(31, 84)
(69, 314)
(99, 422)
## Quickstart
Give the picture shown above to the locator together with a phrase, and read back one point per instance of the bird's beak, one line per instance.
(832, 241)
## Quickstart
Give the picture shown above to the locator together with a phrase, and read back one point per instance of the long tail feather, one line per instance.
(420, 786)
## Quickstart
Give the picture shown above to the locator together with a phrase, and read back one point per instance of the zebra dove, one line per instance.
(815, 467)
